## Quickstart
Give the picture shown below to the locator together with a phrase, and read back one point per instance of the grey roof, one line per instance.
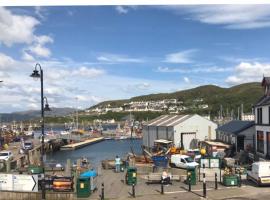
(265, 100)
(235, 126)
(168, 120)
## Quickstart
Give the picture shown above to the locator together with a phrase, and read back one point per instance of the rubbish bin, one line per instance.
(230, 180)
(131, 176)
(83, 187)
(191, 171)
(92, 174)
(33, 169)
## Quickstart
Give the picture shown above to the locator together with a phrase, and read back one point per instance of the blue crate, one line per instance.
(160, 161)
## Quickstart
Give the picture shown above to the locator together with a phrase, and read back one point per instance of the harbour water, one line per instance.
(95, 153)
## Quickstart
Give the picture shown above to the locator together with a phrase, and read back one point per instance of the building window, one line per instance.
(259, 115)
(260, 142)
(269, 114)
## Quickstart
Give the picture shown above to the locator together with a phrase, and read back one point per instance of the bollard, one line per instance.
(204, 186)
(102, 191)
(189, 182)
(162, 187)
(240, 180)
(216, 185)
(133, 190)
(219, 175)
(8, 166)
(200, 173)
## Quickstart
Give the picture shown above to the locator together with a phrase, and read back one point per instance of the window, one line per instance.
(269, 115)
(259, 115)
(260, 141)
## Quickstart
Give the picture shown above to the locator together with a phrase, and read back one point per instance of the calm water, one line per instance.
(95, 153)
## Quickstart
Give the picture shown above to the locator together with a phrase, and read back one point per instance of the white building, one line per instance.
(262, 121)
(181, 129)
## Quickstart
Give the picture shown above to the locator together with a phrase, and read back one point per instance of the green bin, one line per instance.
(230, 180)
(193, 175)
(33, 169)
(83, 187)
(131, 176)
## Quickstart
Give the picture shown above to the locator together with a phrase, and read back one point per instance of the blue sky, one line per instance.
(97, 53)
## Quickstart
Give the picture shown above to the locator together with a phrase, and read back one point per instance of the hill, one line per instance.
(214, 96)
(32, 114)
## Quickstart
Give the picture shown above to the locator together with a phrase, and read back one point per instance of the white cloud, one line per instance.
(212, 69)
(121, 9)
(186, 79)
(6, 62)
(26, 56)
(88, 72)
(40, 50)
(38, 47)
(181, 57)
(248, 72)
(229, 16)
(115, 58)
(16, 28)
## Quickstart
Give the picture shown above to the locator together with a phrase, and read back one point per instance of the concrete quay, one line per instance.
(82, 144)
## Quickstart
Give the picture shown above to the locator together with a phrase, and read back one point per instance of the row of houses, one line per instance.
(184, 130)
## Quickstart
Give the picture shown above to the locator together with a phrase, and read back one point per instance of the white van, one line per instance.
(182, 161)
(260, 173)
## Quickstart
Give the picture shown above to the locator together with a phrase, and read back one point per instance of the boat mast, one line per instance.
(77, 118)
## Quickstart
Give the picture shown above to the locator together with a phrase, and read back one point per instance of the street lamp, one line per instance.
(37, 75)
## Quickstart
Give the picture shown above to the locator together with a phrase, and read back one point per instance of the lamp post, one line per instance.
(36, 75)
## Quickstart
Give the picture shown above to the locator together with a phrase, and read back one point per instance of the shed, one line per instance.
(184, 130)
(238, 133)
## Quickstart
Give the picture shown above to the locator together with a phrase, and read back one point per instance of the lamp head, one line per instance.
(47, 107)
(35, 74)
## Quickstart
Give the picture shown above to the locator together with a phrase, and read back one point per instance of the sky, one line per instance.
(91, 54)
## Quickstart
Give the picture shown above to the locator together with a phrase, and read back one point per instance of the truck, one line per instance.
(259, 173)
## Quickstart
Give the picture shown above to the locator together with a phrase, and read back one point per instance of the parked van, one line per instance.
(183, 161)
(260, 173)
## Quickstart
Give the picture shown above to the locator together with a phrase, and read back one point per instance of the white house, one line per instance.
(181, 129)
(262, 121)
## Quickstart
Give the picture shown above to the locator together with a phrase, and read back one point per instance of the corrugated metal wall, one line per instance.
(152, 131)
(162, 132)
(145, 135)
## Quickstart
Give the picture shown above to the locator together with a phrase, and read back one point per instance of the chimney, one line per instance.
(266, 85)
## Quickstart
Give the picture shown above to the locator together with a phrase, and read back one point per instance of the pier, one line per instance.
(81, 144)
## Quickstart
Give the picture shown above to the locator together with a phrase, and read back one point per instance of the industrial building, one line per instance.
(183, 130)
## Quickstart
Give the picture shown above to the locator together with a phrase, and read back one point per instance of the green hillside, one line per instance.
(230, 98)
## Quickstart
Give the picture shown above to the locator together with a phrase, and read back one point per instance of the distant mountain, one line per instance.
(32, 114)
(230, 98)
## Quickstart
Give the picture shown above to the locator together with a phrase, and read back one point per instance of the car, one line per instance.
(183, 161)
(6, 155)
(28, 145)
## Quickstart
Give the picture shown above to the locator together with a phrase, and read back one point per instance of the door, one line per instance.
(268, 143)
(240, 142)
(186, 139)
(182, 163)
(209, 133)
